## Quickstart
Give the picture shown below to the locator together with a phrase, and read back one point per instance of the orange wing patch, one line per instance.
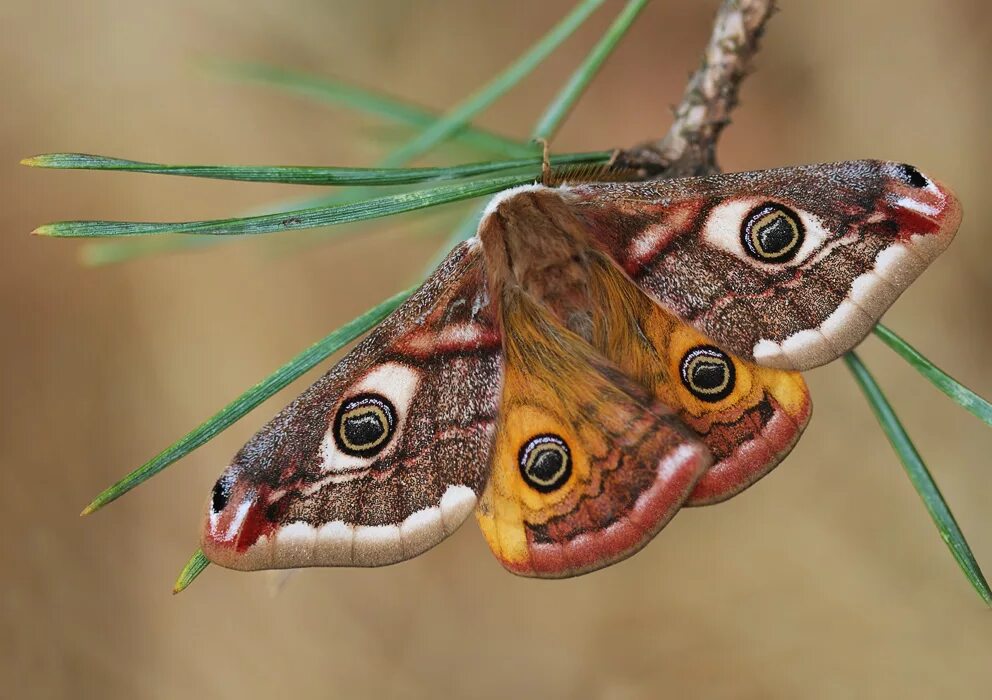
(749, 416)
(587, 467)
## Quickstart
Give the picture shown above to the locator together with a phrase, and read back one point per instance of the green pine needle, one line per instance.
(370, 102)
(228, 415)
(462, 114)
(920, 476)
(194, 567)
(959, 393)
(453, 125)
(305, 175)
(558, 110)
(290, 220)
(563, 102)
(426, 223)
(109, 251)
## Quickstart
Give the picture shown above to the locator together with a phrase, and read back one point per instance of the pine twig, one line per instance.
(689, 147)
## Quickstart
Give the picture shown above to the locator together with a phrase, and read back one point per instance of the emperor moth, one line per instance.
(598, 356)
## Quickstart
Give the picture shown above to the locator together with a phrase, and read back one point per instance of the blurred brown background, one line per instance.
(826, 580)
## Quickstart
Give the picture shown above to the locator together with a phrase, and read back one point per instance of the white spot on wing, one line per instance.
(809, 348)
(376, 545)
(421, 531)
(676, 459)
(239, 517)
(899, 265)
(842, 330)
(293, 543)
(456, 505)
(769, 354)
(873, 293)
(918, 206)
(452, 335)
(396, 382)
(335, 543)
(646, 243)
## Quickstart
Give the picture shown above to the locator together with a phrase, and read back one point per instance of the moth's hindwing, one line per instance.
(587, 467)
(748, 416)
(386, 454)
(788, 267)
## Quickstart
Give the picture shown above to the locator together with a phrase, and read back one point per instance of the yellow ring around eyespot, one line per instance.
(690, 372)
(767, 220)
(536, 452)
(360, 411)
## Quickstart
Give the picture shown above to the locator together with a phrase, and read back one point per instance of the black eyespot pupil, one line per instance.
(772, 233)
(708, 373)
(545, 463)
(221, 494)
(364, 424)
(774, 237)
(913, 176)
(363, 429)
(708, 376)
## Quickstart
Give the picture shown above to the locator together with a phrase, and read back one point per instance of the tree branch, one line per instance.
(689, 147)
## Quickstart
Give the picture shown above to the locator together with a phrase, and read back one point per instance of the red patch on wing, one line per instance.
(924, 211)
(587, 550)
(228, 534)
(750, 460)
(636, 234)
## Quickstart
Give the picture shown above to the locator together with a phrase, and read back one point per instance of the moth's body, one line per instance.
(598, 357)
(538, 248)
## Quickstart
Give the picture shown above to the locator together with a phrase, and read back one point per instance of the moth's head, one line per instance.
(239, 520)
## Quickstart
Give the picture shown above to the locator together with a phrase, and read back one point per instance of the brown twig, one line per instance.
(689, 147)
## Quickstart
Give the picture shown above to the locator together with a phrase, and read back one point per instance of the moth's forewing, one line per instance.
(386, 454)
(788, 267)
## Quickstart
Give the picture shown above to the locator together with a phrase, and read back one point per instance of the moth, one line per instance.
(598, 356)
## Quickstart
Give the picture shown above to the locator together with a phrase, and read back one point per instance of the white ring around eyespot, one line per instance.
(396, 382)
(722, 230)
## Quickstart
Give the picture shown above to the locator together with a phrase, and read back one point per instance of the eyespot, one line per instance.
(913, 176)
(708, 373)
(221, 493)
(545, 462)
(772, 233)
(364, 424)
